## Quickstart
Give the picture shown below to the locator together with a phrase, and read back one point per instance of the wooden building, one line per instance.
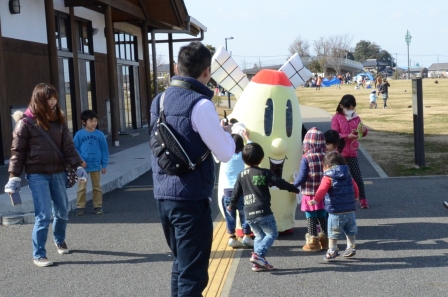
(95, 52)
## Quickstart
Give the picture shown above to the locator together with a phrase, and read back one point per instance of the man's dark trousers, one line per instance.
(188, 229)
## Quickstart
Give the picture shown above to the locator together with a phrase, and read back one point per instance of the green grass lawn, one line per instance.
(391, 139)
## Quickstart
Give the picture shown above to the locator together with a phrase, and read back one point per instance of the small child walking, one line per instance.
(252, 185)
(334, 142)
(309, 177)
(372, 98)
(338, 190)
(231, 171)
(91, 145)
(349, 126)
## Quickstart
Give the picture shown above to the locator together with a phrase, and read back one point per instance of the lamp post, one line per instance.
(408, 38)
(228, 93)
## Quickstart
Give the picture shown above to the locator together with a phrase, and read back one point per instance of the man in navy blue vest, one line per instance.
(183, 200)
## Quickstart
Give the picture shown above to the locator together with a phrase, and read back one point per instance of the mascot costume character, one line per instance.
(268, 108)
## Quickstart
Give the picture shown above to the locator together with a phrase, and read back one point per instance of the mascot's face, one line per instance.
(269, 109)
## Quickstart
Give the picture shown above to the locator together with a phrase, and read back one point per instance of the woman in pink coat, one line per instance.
(349, 126)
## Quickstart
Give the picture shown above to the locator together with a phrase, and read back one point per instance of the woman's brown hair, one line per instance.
(41, 109)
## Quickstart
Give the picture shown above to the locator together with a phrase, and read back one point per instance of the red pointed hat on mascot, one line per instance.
(272, 77)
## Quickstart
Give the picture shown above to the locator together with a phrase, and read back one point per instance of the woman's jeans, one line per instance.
(230, 215)
(265, 231)
(49, 194)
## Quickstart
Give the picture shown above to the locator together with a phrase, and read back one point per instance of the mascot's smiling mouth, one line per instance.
(277, 166)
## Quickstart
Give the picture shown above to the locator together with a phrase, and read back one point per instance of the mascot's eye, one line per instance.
(268, 117)
(288, 118)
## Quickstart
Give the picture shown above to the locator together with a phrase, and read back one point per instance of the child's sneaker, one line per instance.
(257, 268)
(234, 243)
(445, 204)
(350, 252)
(255, 259)
(98, 211)
(268, 266)
(331, 255)
(79, 211)
(247, 241)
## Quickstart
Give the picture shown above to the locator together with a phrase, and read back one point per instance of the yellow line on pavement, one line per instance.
(220, 261)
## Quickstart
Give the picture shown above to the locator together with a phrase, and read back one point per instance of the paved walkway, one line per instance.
(126, 162)
(402, 246)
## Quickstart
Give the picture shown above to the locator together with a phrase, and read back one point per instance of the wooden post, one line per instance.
(2, 95)
(51, 40)
(145, 45)
(170, 53)
(154, 63)
(76, 108)
(112, 74)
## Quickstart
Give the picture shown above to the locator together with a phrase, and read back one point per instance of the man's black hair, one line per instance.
(253, 154)
(333, 159)
(239, 143)
(193, 59)
(347, 101)
(88, 115)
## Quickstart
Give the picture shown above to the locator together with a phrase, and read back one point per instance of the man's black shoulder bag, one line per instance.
(171, 156)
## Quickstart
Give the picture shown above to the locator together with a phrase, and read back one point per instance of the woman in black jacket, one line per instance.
(44, 168)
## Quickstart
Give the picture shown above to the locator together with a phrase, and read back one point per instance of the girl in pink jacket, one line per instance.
(350, 128)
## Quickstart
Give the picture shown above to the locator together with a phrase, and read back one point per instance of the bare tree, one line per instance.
(338, 48)
(300, 46)
(321, 51)
(160, 59)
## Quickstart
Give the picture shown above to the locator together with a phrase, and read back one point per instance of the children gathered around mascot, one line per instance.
(329, 180)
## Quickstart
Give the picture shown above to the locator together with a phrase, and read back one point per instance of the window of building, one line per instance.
(84, 36)
(125, 46)
(62, 24)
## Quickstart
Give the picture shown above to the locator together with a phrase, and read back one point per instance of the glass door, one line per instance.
(66, 90)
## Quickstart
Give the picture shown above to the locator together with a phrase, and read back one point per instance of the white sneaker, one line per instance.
(247, 241)
(43, 262)
(234, 243)
(62, 248)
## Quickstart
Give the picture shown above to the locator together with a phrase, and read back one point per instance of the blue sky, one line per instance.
(264, 29)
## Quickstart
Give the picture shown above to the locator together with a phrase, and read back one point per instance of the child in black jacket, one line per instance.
(253, 183)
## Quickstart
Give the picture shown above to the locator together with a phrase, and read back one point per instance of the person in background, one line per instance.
(372, 98)
(91, 144)
(318, 83)
(384, 91)
(44, 168)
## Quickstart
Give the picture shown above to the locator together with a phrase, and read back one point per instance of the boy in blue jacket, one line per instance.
(91, 145)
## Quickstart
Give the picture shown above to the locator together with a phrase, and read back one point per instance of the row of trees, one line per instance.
(330, 52)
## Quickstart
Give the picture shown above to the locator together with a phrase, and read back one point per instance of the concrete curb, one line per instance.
(374, 164)
(124, 167)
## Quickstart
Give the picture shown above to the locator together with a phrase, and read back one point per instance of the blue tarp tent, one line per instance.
(365, 74)
(327, 83)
